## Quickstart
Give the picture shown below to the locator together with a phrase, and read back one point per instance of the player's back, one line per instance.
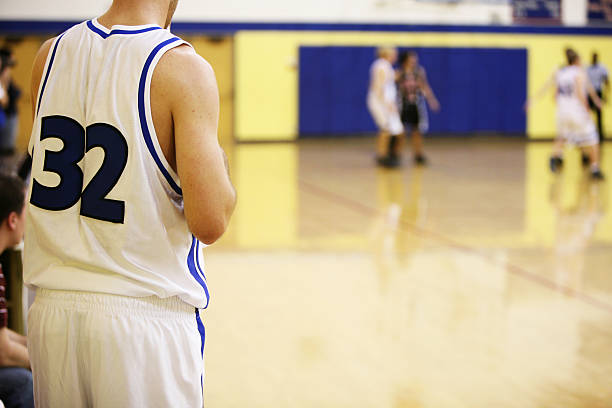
(389, 89)
(566, 79)
(106, 210)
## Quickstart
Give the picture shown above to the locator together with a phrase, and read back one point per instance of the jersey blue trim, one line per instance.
(201, 271)
(198, 261)
(39, 26)
(193, 268)
(42, 89)
(104, 35)
(143, 117)
(202, 332)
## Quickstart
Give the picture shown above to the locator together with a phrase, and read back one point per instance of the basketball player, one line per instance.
(574, 124)
(598, 76)
(128, 185)
(414, 92)
(382, 103)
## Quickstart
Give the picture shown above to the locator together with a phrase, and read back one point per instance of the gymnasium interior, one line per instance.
(479, 280)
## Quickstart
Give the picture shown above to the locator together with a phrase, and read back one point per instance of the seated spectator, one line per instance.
(15, 374)
(4, 100)
(8, 132)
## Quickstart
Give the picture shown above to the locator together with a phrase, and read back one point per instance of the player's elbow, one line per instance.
(208, 227)
(209, 231)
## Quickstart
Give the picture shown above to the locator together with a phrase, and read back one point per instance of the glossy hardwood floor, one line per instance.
(481, 280)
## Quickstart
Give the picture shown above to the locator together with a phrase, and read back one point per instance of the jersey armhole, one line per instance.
(46, 71)
(41, 86)
(146, 118)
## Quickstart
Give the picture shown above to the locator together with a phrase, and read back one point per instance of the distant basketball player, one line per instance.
(128, 184)
(382, 103)
(574, 123)
(598, 76)
(414, 93)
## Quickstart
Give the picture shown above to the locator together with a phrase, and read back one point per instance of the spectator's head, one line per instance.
(595, 58)
(12, 210)
(388, 53)
(7, 61)
(572, 57)
(409, 59)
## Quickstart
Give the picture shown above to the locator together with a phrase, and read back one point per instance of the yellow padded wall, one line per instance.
(266, 71)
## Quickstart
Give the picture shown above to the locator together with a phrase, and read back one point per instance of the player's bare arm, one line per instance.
(37, 71)
(17, 338)
(543, 90)
(191, 91)
(12, 353)
(428, 92)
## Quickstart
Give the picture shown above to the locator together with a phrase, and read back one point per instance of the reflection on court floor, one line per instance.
(480, 281)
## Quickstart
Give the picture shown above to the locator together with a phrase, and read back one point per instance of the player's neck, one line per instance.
(4, 239)
(135, 12)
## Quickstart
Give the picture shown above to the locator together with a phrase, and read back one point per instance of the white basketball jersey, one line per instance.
(105, 210)
(566, 84)
(389, 88)
(574, 123)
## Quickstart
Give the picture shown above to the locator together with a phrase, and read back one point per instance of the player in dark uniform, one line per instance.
(414, 91)
(598, 76)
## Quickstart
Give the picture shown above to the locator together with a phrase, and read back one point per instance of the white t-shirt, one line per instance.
(597, 75)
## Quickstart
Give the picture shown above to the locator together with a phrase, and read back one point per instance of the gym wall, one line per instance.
(218, 50)
(267, 71)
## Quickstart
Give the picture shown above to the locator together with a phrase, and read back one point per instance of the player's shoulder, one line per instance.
(41, 57)
(182, 64)
(44, 49)
(182, 74)
(581, 70)
(381, 63)
(185, 54)
(561, 69)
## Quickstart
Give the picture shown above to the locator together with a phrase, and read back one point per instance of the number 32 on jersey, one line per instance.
(77, 142)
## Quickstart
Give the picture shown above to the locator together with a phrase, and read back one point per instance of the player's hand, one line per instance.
(434, 105)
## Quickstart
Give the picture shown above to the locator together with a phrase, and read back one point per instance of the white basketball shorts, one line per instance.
(575, 125)
(97, 350)
(386, 120)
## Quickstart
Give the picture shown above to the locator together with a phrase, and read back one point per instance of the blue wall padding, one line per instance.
(480, 89)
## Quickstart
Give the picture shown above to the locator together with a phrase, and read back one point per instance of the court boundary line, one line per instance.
(510, 267)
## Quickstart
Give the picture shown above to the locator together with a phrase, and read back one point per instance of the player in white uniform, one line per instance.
(382, 104)
(574, 123)
(128, 185)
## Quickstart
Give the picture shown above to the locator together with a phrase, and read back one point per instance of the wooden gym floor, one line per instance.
(481, 280)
